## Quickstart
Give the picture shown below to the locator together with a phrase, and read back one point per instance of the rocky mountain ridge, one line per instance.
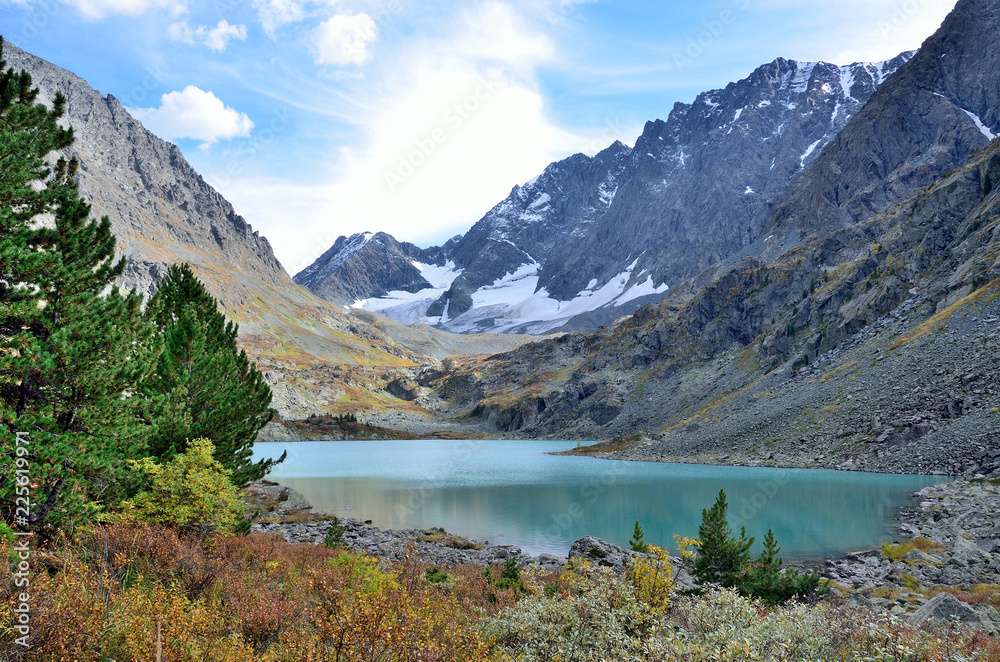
(592, 238)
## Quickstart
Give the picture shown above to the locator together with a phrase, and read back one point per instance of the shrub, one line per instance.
(653, 578)
(898, 551)
(436, 576)
(598, 619)
(510, 575)
(192, 491)
(772, 584)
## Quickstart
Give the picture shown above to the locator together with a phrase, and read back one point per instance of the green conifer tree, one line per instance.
(205, 386)
(722, 558)
(637, 543)
(71, 357)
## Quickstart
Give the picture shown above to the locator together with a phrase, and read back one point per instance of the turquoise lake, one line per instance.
(515, 493)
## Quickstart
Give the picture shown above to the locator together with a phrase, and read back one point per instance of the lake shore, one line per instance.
(949, 544)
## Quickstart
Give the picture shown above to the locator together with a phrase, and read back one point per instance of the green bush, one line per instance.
(192, 491)
(510, 575)
(436, 575)
(772, 584)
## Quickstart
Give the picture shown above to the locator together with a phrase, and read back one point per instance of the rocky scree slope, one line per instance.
(592, 238)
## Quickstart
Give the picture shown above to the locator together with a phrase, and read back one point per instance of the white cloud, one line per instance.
(96, 9)
(344, 40)
(216, 38)
(274, 14)
(196, 114)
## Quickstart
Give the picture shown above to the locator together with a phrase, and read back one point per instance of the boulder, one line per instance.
(921, 558)
(602, 553)
(946, 607)
(404, 389)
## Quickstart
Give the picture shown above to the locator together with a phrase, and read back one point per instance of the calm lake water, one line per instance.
(513, 492)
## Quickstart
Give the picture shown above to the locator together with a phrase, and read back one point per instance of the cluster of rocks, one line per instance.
(431, 545)
(440, 548)
(956, 525)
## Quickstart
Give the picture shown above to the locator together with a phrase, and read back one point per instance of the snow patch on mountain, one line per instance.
(983, 129)
(809, 150)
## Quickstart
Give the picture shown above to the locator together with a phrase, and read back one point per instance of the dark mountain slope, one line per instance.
(873, 347)
(939, 106)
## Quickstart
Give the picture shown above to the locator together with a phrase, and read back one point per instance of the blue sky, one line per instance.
(328, 117)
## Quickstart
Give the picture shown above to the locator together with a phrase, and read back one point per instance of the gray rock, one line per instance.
(946, 607)
(921, 558)
(602, 553)
(696, 188)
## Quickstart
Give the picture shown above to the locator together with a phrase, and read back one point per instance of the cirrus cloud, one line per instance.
(196, 114)
(275, 13)
(216, 38)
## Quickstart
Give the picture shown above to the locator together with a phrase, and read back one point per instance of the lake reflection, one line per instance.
(513, 492)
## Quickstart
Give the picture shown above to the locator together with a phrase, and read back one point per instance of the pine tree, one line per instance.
(70, 357)
(636, 543)
(768, 581)
(721, 557)
(205, 386)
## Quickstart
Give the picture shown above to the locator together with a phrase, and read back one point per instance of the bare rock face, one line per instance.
(161, 210)
(366, 265)
(700, 186)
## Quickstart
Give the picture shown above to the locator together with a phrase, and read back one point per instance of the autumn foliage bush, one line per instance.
(119, 589)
